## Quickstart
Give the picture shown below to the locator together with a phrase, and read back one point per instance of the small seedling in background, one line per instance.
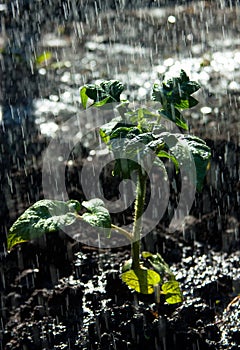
(134, 137)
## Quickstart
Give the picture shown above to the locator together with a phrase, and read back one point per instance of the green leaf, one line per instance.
(181, 85)
(164, 154)
(172, 292)
(141, 280)
(42, 217)
(171, 289)
(137, 144)
(201, 154)
(84, 97)
(124, 131)
(141, 117)
(138, 154)
(113, 89)
(175, 116)
(188, 103)
(106, 92)
(102, 102)
(158, 263)
(130, 150)
(127, 265)
(146, 255)
(158, 94)
(157, 146)
(176, 94)
(107, 129)
(98, 215)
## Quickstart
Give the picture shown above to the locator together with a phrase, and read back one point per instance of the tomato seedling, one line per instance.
(139, 140)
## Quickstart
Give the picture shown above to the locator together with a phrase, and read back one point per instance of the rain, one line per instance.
(62, 291)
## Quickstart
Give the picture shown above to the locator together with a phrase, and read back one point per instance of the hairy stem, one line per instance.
(137, 227)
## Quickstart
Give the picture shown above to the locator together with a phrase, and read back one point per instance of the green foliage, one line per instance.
(172, 292)
(158, 263)
(139, 140)
(106, 92)
(50, 215)
(145, 280)
(141, 280)
(133, 137)
(201, 155)
(170, 288)
(134, 148)
(97, 215)
(199, 151)
(175, 95)
(42, 217)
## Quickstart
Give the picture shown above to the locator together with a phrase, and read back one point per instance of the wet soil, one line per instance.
(60, 294)
(83, 304)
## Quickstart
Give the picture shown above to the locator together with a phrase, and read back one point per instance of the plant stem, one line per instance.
(123, 232)
(137, 226)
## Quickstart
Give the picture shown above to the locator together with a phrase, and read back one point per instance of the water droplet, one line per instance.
(168, 62)
(171, 19)
(234, 86)
(48, 128)
(206, 110)
(42, 71)
(53, 98)
(92, 152)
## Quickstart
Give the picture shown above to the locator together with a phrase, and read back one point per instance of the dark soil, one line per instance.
(82, 303)
(60, 294)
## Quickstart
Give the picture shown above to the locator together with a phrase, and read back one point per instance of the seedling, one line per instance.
(137, 138)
